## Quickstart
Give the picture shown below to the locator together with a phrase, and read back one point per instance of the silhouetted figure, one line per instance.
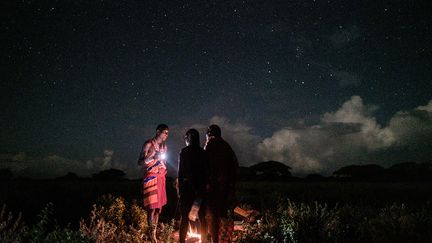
(153, 161)
(223, 166)
(191, 177)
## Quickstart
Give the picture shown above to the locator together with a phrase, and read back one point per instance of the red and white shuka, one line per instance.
(154, 190)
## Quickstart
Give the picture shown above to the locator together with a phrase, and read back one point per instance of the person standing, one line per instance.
(153, 161)
(191, 182)
(222, 169)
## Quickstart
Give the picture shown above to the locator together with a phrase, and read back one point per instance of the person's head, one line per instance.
(162, 132)
(213, 131)
(192, 137)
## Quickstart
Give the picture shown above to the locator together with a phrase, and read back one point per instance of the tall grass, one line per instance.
(113, 220)
(315, 212)
(315, 222)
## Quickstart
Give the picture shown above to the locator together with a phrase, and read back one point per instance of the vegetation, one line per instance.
(291, 222)
(289, 212)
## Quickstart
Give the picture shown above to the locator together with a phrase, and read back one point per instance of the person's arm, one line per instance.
(232, 181)
(180, 173)
(146, 154)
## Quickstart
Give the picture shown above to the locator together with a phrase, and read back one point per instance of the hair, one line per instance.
(161, 127)
(192, 137)
(214, 130)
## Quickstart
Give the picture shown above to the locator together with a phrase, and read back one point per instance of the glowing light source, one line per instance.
(162, 156)
(192, 235)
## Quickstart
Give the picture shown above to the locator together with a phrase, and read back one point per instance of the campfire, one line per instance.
(193, 235)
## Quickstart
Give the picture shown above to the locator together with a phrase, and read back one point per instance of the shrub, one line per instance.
(113, 221)
(290, 222)
(316, 222)
(397, 223)
(344, 224)
(11, 228)
(47, 230)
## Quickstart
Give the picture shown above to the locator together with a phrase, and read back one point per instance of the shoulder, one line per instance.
(183, 150)
(147, 144)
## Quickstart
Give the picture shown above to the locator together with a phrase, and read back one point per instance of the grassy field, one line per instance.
(291, 211)
(261, 194)
(73, 199)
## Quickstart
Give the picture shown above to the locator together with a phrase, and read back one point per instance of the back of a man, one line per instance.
(223, 165)
(192, 179)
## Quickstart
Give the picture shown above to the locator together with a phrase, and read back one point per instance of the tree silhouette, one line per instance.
(111, 174)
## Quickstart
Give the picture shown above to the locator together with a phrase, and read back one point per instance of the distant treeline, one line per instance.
(277, 171)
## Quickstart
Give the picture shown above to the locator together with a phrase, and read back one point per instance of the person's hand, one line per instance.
(156, 155)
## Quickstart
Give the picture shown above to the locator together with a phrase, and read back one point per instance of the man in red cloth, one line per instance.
(153, 161)
(223, 164)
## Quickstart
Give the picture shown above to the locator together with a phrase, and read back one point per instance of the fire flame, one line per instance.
(192, 235)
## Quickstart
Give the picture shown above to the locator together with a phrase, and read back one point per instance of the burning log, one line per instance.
(248, 215)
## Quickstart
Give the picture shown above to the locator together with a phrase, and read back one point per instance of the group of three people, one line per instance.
(205, 175)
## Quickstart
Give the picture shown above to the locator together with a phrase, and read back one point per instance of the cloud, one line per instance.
(101, 163)
(353, 112)
(351, 135)
(348, 135)
(51, 166)
(413, 128)
(239, 135)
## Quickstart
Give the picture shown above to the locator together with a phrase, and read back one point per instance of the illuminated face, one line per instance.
(163, 135)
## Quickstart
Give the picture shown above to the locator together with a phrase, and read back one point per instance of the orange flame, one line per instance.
(192, 235)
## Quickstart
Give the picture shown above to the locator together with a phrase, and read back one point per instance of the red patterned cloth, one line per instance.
(154, 188)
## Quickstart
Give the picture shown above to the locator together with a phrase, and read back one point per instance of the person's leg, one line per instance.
(150, 213)
(156, 216)
(213, 223)
(203, 228)
(184, 223)
(152, 218)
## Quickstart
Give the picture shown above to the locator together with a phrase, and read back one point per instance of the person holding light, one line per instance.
(153, 161)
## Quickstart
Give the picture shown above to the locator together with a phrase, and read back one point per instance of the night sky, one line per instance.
(314, 84)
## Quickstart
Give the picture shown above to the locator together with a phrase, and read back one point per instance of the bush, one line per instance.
(112, 220)
(11, 229)
(397, 223)
(315, 222)
(47, 230)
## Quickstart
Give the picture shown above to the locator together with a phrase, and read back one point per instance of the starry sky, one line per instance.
(313, 84)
